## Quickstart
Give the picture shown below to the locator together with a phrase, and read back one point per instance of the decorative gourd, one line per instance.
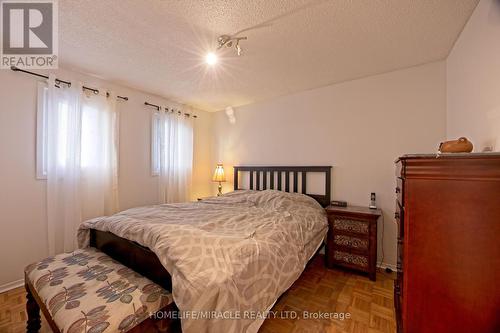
(461, 145)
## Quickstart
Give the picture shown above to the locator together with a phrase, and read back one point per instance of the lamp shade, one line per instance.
(219, 175)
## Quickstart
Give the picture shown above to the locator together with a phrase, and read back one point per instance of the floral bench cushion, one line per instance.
(88, 292)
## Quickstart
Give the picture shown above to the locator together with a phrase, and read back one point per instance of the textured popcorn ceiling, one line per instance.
(293, 45)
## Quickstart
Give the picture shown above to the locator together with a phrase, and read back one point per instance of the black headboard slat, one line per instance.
(323, 199)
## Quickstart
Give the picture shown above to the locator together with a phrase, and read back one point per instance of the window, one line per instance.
(172, 154)
(171, 140)
(62, 134)
(82, 134)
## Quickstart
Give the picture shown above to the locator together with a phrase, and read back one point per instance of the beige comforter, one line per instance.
(230, 257)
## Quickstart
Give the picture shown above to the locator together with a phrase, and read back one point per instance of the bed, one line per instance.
(271, 213)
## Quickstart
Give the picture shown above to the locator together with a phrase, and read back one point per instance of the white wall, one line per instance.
(23, 237)
(473, 79)
(360, 127)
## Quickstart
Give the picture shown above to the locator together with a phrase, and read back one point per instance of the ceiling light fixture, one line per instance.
(229, 41)
(211, 58)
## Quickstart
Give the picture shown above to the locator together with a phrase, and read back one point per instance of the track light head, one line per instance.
(223, 40)
(228, 41)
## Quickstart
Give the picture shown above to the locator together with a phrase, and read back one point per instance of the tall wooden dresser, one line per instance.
(448, 217)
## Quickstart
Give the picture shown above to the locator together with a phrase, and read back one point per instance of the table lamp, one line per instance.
(219, 176)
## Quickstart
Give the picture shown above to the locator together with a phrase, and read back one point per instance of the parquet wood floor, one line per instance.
(13, 314)
(369, 304)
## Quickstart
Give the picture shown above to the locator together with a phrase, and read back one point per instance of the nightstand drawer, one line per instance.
(351, 225)
(351, 259)
(352, 242)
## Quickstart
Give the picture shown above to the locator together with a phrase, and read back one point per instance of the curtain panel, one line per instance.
(80, 157)
(172, 155)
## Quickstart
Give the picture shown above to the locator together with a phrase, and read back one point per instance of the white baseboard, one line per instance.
(11, 285)
(385, 265)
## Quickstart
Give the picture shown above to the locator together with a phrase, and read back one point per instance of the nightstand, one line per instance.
(352, 238)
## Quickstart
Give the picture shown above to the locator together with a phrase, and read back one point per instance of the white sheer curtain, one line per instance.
(81, 160)
(63, 165)
(175, 149)
(99, 164)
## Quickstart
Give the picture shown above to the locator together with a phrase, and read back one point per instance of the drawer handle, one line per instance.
(398, 190)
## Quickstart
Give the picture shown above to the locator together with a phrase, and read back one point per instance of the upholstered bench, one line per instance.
(86, 291)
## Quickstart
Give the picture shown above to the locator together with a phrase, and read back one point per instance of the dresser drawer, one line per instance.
(399, 217)
(398, 305)
(351, 242)
(398, 287)
(400, 256)
(400, 169)
(351, 225)
(398, 283)
(351, 259)
(400, 188)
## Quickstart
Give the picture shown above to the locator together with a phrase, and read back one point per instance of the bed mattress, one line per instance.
(229, 257)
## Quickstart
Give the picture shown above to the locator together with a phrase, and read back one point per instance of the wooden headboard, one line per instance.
(262, 172)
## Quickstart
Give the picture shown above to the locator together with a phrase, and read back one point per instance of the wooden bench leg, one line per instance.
(33, 323)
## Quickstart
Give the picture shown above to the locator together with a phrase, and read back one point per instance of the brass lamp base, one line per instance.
(220, 189)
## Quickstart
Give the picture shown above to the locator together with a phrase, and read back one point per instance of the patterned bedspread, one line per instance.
(230, 257)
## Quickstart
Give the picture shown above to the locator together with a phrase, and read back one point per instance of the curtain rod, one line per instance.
(170, 110)
(95, 91)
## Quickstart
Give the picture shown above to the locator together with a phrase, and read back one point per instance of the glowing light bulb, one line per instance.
(211, 58)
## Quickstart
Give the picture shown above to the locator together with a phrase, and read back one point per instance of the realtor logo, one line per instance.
(29, 34)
